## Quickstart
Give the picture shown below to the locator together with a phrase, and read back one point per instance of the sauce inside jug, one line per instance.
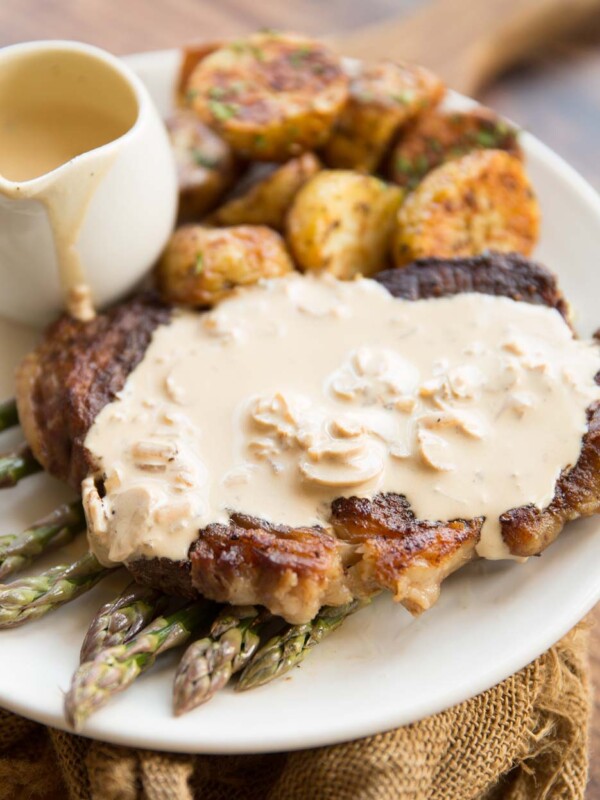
(37, 140)
(56, 105)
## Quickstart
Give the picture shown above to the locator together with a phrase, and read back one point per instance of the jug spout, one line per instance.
(82, 152)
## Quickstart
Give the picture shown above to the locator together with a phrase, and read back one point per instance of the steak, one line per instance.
(372, 544)
(500, 274)
(76, 370)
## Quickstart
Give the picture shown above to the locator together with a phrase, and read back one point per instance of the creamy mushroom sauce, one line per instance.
(303, 389)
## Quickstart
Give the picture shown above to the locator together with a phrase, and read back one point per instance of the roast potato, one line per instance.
(206, 167)
(202, 265)
(341, 222)
(383, 98)
(191, 56)
(271, 96)
(439, 136)
(267, 201)
(482, 201)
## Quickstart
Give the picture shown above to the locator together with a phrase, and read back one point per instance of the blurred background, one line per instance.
(536, 61)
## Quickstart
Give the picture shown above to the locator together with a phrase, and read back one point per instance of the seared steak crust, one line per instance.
(292, 571)
(528, 530)
(378, 544)
(408, 556)
(500, 274)
(171, 577)
(78, 368)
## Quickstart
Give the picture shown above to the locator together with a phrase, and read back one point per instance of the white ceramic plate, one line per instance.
(382, 668)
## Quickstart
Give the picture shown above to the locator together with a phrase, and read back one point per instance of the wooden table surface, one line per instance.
(556, 95)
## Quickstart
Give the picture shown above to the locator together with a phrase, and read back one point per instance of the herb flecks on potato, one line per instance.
(201, 266)
(267, 201)
(341, 222)
(383, 98)
(440, 136)
(482, 201)
(206, 167)
(191, 56)
(271, 96)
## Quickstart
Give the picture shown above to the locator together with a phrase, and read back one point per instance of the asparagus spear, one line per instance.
(115, 669)
(8, 415)
(54, 530)
(209, 663)
(30, 598)
(119, 621)
(288, 648)
(16, 465)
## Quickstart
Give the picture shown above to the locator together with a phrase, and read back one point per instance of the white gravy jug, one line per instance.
(88, 186)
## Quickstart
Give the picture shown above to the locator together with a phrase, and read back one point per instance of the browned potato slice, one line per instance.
(482, 201)
(271, 96)
(439, 136)
(268, 200)
(206, 166)
(201, 266)
(191, 56)
(383, 98)
(342, 222)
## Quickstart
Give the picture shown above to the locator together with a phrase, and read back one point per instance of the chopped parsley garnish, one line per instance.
(260, 140)
(257, 52)
(243, 47)
(403, 98)
(319, 69)
(413, 168)
(222, 111)
(199, 266)
(404, 165)
(422, 163)
(217, 93)
(486, 138)
(203, 160)
(191, 94)
(435, 145)
(237, 86)
(298, 57)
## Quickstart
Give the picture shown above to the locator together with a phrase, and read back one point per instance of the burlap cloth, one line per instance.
(522, 740)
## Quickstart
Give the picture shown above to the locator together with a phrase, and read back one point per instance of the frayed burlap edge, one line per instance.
(525, 739)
